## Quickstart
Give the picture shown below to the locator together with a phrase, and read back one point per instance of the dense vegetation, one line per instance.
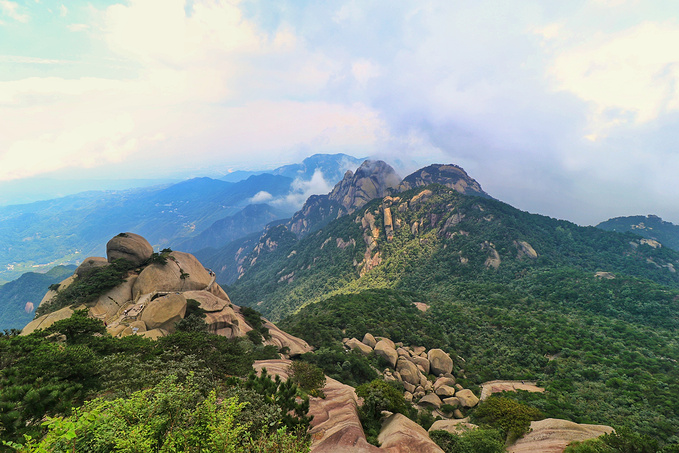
(30, 287)
(197, 382)
(650, 227)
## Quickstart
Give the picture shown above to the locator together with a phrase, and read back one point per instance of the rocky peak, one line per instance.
(373, 179)
(450, 175)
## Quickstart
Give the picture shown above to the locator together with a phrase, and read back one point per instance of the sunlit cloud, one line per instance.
(13, 11)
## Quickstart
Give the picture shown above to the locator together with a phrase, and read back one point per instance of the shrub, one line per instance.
(512, 417)
(307, 375)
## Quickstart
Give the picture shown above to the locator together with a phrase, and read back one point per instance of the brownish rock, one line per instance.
(423, 362)
(88, 264)
(364, 349)
(443, 380)
(280, 339)
(553, 435)
(62, 286)
(44, 321)
(454, 426)
(108, 305)
(164, 312)
(182, 272)
(369, 340)
(129, 246)
(207, 300)
(445, 391)
(136, 327)
(431, 400)
(466, 398)
(399, 434)
(440, 362)
(384, 349)
(408, 371)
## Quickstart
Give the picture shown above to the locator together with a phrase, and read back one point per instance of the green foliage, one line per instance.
(348, 367)
(254, 320)
(622, 440)
(307, 376)
(88, 287)
(473, 441)
(379, 396)
(510, 416)
(78, 328)
(194, 318)
(284, 394)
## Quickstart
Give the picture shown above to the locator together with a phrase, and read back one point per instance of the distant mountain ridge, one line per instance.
(650, 227)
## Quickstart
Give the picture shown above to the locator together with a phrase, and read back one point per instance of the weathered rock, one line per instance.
(553, 435)
(219, 292)
(443, 380)
(431, 400)
(62, 286)
(207, 300)
(164, 312)
(445, 391)
(409, 387)
(408, 396)
(182, 272)
(154, 334)
(136, 327)
(457, 413)
(408, 371)
(417, 350)
(129, 246)
(440, 362)
(89, 264)
(388, 341)
(490, 387)
(458, 387)
(525, 249)
(452, 401)
(423, 362)
(44, 321)
(362, 348)
(453, 426)
(369, 340)
(109, 304)
(467, 398)
(399, 434)
(385, 350)
(280, 339)
(402, 352)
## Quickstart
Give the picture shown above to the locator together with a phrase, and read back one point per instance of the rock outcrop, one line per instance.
(400, 434)
(553, 435)
(129, 246)
(440, 362)
(448, 175)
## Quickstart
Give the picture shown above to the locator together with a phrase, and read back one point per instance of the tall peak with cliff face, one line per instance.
(373, 179)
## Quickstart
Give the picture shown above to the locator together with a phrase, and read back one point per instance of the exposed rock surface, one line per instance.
(90, 263)
(369, 340)
(387, 351)
(553, 436)
(490, 387)
(453, 426)
(400, 434)
(440, 362)
(109, 304)
(448, 175)
(466, 398)
(47, 320)
(364, 349)
(63, 285)
(182, 272)
(164, 312)
(129, 246)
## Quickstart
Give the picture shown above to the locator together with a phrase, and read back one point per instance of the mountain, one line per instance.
(650, 227)
(19, 298)
(588, 314)
(451, 176)
(66, 230)
(251, 219)
(331, 166)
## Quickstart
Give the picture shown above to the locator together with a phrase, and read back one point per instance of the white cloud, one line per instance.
(261, 197)
(78, 27)
(629, 77)
(12, 10)
(301, 190)
(63, 10)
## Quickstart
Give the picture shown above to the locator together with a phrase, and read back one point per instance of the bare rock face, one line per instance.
(467, 398)
(135, 328)
(372, 180)
(423, 362)
(154, 334)
(182, 272)
(402, 435)
(445, 391)
(208, 301)
(281, 339)
(164, 312)
(51, 293)
(47, 320)
(88, 264)
(453, 426)
(369, 340)
(449, 381)
(362, 348)
(129, 246)
(408, 371)
(553, 435)
(384, 349)
(109, 304)
(448, 175)
(440, 362)
(431, 400)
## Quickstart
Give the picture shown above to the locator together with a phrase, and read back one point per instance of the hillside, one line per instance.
(649, 227)
(27, 289)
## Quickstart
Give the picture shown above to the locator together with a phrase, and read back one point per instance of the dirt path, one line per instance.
(490, 387)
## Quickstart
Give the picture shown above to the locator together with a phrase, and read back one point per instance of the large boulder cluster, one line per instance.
(155, 295)
(426, 375)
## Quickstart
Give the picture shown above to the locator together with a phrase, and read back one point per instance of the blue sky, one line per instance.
(569, 109)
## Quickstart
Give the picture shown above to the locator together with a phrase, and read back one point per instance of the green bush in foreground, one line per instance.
(474, 441)
(510, 416)
(170, 417)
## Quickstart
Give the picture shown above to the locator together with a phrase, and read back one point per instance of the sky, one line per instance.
(568, 109)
